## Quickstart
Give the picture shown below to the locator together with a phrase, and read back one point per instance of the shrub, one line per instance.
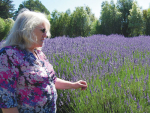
(2, 28)
(8, 25)
(5, 26)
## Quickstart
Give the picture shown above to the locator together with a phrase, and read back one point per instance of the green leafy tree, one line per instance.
(6, 9)
(105, 18)
(32, 5)
(94, 23)
(8, 25)
(96, 28)
(79, 23)
(49, 17)
(91, 15)
(54, 21)
(115, 16)
(5, 26)
(135, 20)
(144, 21)
(2, 28)
(124, 6)
(66, 22)
(58, 23)
(147, 31)
(110, 19)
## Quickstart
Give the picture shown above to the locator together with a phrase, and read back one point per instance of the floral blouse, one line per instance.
(26, 82)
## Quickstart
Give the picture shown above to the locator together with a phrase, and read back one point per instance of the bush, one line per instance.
(2, 28)
(5, 26)
(8, 25)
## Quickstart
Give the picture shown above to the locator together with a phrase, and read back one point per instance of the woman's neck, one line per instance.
(34, 53)
(31, 49)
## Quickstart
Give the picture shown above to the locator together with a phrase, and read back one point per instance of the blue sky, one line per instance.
(63, 5)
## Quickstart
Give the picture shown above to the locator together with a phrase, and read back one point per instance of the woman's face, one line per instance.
(40, 32)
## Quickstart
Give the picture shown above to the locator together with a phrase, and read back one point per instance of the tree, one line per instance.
(79, 23)
(105, 18)
(144, 21)
(5, 26)
(2, 28)
(110, 19)
(66, 22)
(57, 24)
(135, 20)
(115, 16)
(148, 22)
(54, 23)
(95, 28)
(6, 9)
(32, 5)
(91, 15)
(124, 6)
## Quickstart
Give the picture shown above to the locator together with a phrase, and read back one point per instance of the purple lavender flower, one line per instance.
(138, 106)
(102, 59)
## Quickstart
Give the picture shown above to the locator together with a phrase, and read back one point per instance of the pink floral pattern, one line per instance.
(26, 82)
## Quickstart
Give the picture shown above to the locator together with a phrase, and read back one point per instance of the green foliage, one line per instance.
(6, 9)
(49, 17)
(5, 26)
(71, 24)
(144, 12)
(79, 23)
(124, 6)
(119, 18)
(110, 19)
(148, 22)
(32, 5)
(91, 15)
(59, 23)
(2, 28)
(95, 27)
(105, 18)
(8, 25)
(135, 20)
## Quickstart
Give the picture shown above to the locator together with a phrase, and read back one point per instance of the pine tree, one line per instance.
(32, 5)
(6, 9)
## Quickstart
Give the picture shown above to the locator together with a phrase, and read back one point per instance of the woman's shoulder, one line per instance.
(11, 54)
(11, 50)
(8, 47)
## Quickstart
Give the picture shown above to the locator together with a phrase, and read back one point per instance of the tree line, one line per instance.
(125, 18)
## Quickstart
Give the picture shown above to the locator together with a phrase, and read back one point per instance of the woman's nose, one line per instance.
(45, 35)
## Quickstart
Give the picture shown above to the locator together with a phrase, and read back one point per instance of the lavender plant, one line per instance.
(116, 69)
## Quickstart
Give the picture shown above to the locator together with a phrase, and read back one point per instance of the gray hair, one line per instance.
(21, 33)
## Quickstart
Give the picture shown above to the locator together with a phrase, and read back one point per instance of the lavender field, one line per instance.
(116, 69)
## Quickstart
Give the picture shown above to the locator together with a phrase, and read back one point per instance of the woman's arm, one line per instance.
(63, 84)
(10, 110)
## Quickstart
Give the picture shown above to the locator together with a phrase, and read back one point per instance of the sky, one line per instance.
(63, 5)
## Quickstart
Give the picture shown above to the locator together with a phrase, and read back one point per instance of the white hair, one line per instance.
(21, 33)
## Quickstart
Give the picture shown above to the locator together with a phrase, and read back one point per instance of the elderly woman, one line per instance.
(27, 80)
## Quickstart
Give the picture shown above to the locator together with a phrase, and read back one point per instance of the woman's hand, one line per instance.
(10, 110)
(80, 84)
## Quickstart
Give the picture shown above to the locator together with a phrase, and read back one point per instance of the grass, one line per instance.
(125, 89)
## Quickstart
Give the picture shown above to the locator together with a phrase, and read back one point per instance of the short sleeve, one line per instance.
(53, 76)
(9, 73)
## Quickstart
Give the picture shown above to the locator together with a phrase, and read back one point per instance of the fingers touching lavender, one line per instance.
(80, 84)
